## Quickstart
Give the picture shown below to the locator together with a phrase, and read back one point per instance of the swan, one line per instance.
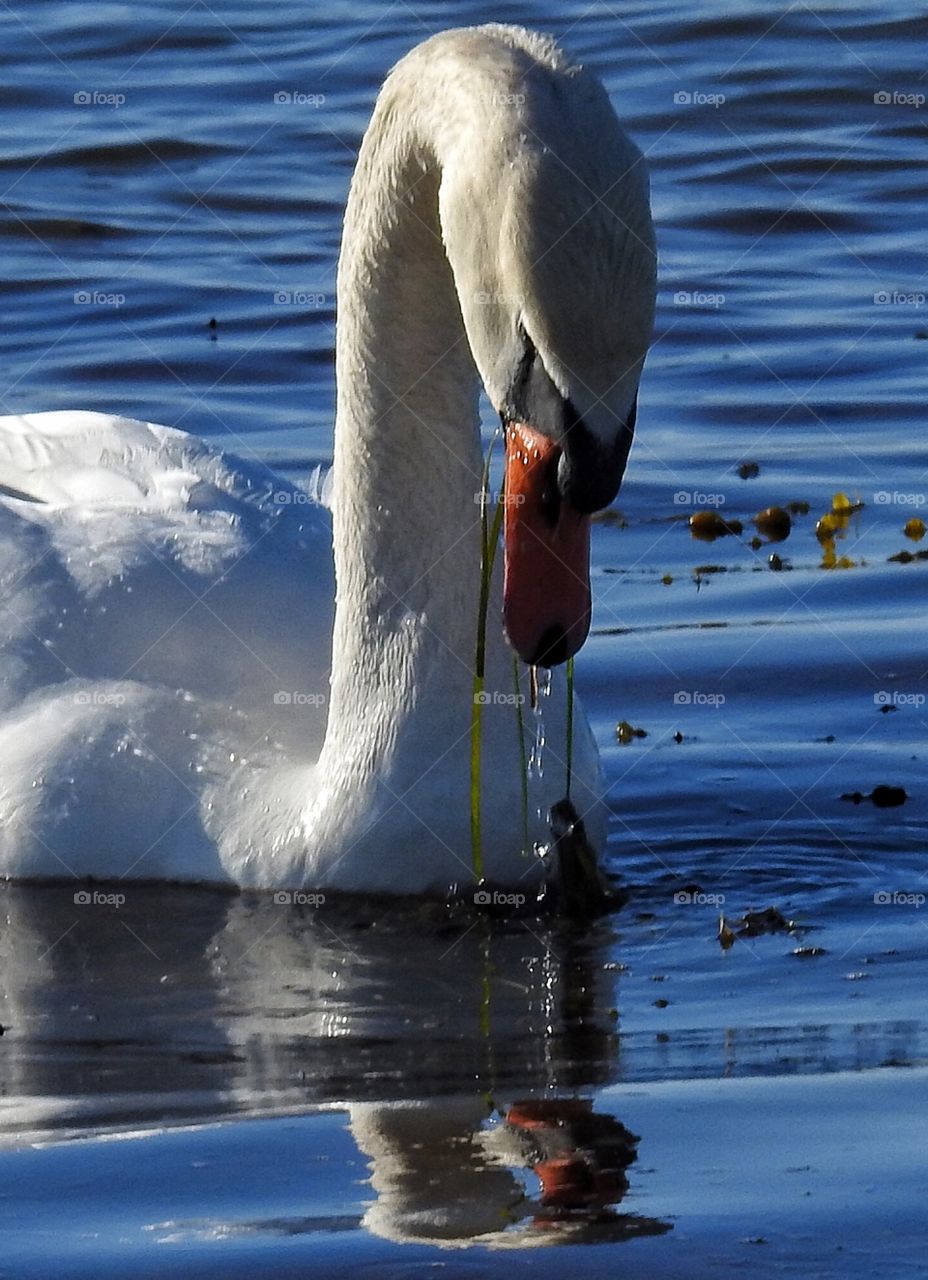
(177, 700)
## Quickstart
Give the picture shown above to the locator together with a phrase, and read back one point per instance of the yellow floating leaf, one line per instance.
(829, 525)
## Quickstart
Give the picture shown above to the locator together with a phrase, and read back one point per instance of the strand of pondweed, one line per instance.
(489, 537)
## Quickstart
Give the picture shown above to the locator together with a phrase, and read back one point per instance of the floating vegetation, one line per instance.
(627, 733)
(767, 920)
(883, 797)
(709, 525)
(907, 557)
(833, 525)
(753, 924)
(842, 505)
(774, 523)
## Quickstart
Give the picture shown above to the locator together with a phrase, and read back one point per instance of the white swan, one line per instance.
(167, 707)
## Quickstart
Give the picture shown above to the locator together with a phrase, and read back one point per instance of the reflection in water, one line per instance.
(452, 1041)
(447, 1173)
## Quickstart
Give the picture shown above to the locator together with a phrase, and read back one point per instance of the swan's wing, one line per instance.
(72, 459)
(165, 611)
(96, 508)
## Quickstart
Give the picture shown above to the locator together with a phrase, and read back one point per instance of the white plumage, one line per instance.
(168, 705)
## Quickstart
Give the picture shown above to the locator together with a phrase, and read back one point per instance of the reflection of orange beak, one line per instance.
(546, 589)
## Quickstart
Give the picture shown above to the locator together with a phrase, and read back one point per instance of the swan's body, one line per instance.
(167, 709)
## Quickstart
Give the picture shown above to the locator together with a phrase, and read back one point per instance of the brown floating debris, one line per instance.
(883, 797)
(906, 557)
(748, 470)
(914, 529)
(626, 732)
(727, 935)
(755, 923)
(709, 525)
(769, 920)
(774, 523)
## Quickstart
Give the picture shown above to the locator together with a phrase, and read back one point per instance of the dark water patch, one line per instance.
(113, 156)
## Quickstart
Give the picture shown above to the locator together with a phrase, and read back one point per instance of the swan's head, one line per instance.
(546, 221)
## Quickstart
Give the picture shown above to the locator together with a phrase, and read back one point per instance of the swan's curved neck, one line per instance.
(407, 454)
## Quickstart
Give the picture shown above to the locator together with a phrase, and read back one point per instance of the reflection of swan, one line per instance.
(442, 1176)
(167, 711)
(171, 1006)
(168, 1010)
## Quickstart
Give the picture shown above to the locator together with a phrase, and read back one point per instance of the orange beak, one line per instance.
(546, 584)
